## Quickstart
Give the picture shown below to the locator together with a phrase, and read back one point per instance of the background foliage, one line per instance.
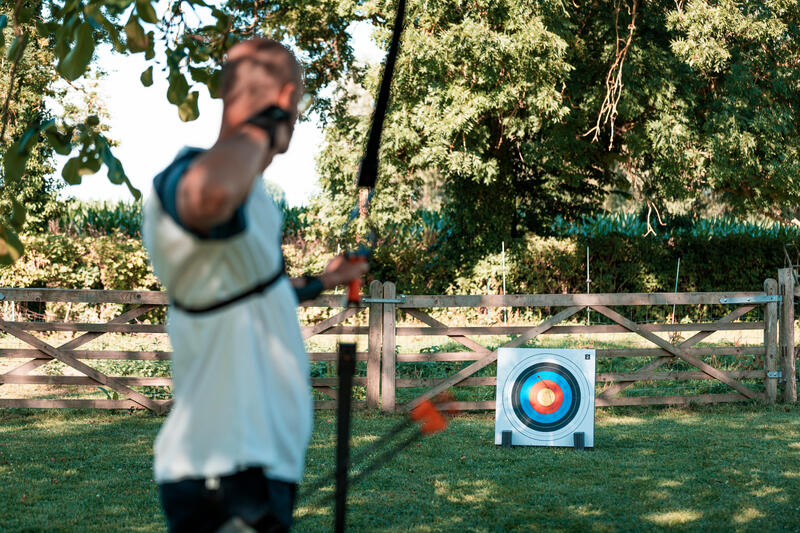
(97, 245)
(508, 114)
(509, 122)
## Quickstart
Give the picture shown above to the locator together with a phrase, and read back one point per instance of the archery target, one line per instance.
(545, 396)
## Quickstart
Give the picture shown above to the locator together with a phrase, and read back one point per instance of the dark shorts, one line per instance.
(265, 504)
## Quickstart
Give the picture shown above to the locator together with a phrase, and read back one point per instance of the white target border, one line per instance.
(584, 376)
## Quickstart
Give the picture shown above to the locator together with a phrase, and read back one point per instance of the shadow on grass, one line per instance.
(76, 470)
(727, 468)
(716, 469)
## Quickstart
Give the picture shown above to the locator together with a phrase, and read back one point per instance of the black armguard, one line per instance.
(311, 290)
(268, 120)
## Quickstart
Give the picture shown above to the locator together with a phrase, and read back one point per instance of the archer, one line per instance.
(234, 443)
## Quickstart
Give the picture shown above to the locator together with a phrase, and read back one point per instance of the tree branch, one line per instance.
(608, 111)
(12, 77)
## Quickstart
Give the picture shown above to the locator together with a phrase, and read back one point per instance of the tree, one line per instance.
(193, 52)
(516, 112)
(33, 78)
(504, 113)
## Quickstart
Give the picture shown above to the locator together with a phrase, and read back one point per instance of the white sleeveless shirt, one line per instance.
(241, 374)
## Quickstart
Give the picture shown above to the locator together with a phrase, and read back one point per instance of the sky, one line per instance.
(150, 134)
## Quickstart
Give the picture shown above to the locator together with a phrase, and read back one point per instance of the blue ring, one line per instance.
(525, 403)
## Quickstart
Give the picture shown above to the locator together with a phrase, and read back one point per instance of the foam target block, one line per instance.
(545, 396)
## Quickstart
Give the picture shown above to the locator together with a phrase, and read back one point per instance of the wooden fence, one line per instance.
(389, 316)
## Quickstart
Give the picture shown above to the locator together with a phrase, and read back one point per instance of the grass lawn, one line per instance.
(722, 468)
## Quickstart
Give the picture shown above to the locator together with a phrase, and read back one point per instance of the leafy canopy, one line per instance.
(507, 114)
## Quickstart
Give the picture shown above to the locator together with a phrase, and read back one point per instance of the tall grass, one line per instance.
(100, 218)
(632, 225)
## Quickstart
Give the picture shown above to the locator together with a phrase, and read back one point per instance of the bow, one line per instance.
(368, 170)
(367, 176)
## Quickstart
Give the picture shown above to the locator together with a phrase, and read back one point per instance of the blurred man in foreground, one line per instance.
(233, 446)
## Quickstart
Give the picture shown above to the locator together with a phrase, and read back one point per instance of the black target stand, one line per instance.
(347, 367)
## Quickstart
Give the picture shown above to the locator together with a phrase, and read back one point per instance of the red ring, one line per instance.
(533, 396)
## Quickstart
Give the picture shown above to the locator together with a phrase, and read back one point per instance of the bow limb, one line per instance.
(367, 176)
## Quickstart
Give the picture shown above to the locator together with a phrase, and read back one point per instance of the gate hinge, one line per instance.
(750, 299)
(400, 300)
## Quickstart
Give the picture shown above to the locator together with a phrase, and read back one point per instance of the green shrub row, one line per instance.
(618, 263)
(635, 224)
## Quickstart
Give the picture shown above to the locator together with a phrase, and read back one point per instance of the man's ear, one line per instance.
(285, 97)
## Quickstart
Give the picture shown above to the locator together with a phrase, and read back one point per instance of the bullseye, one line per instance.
(546, 397)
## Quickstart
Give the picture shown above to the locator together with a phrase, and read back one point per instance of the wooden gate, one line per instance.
(663, 351)
(380, 326)
(37, 352)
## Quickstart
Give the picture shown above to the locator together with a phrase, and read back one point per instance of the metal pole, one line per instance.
(488, 309)
(677, 273)
(503, 256)
(338, 253)
(588, 288)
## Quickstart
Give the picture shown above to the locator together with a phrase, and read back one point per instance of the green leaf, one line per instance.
(58, 141)
(10, 246)
(25, 13)
(137, 40)
(137, 194)
(146, 11)
(70, 171)
(74, 64)
(29, 137)
(3, 24)
(91, 164)
(200, 75)
(14, 162)
(46, 29)
(115, 173)
(17, 46)
(92, 120)
(150, 53)
(119, 4)
(113, 32)
(18, 214)
(178, 89)
(213, 83)
(223, 19)
(92, 15)
(72, 5)
(147, 76)
(188, 111)
(65, 35)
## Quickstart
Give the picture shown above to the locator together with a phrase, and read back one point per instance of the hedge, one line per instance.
(618, 263)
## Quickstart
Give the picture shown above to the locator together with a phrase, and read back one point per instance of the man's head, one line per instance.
(258, 73)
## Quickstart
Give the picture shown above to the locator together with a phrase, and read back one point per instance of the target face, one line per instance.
(546, 396)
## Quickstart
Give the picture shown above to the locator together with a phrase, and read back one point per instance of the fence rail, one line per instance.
(390, 316)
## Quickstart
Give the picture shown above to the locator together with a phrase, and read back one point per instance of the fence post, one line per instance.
(788, 377)
(771, 342)
(374, 344)
(389, 346)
